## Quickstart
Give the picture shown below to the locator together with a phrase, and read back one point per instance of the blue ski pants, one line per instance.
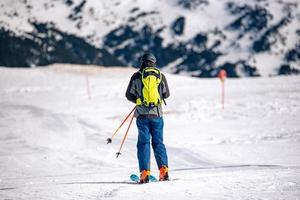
(151, 129)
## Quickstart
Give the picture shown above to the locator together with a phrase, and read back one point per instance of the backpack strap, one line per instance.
(151, 71)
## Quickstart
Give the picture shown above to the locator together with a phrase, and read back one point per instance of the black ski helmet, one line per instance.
(148, 57)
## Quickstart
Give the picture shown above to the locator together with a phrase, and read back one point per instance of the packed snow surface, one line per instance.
(53, 137)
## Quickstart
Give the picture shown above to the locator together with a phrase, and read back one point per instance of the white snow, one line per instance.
(53, 138)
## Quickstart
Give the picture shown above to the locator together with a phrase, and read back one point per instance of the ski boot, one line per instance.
(164, 173)
(144, 178)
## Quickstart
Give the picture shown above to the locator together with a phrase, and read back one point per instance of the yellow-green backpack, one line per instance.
(151, 78)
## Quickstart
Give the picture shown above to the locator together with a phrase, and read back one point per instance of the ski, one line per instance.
(136, 178)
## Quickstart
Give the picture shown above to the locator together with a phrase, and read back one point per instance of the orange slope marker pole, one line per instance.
(222, 75)
(88, 89)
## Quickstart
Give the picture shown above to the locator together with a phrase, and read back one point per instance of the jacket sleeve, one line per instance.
(130, 92)
(165, 87)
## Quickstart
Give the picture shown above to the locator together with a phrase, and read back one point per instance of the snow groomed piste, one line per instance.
(53, 137)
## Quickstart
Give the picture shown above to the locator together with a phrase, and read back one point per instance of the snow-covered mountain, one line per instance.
(195, 37)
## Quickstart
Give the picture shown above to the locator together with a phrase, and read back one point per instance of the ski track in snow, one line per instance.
(53, 138)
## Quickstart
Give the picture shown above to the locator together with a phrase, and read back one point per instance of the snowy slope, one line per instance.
(53, 137)
(196, 37)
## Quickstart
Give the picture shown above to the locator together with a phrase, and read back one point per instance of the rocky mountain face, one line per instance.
(194, 37)
(46, 45)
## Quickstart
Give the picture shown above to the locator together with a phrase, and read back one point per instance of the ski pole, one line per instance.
(109, 140)
(119, 152)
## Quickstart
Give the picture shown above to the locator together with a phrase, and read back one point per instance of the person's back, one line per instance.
(147, 89)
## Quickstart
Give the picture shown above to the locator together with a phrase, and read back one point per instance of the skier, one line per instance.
(147, 89)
